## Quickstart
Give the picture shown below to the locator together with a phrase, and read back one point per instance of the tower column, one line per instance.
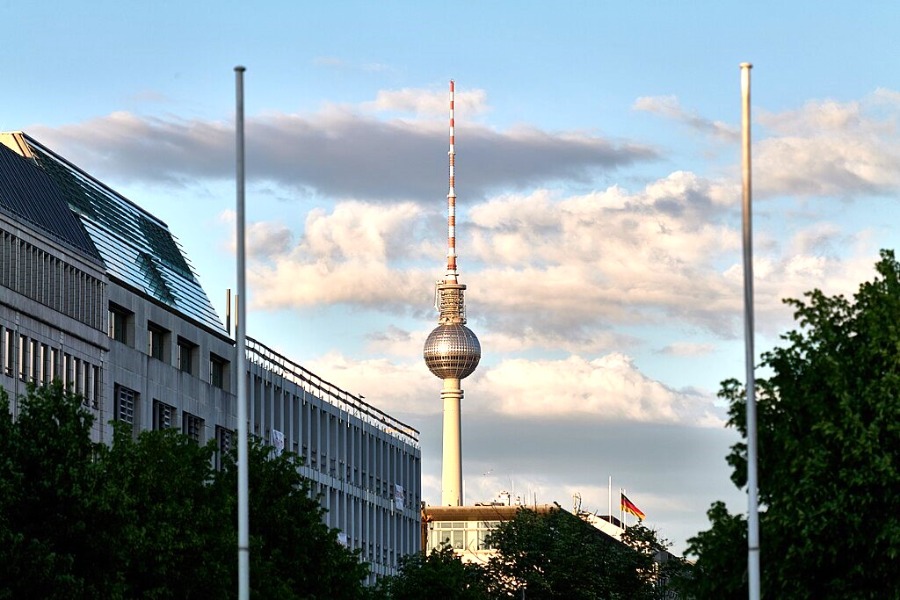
(451, 470)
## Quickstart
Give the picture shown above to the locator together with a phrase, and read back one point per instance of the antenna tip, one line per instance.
(240, 69)
(746, 65)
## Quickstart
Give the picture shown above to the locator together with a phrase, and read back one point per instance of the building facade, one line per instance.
(96, 292)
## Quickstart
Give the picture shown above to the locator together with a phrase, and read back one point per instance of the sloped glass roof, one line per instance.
(29, 193)
(136, 247)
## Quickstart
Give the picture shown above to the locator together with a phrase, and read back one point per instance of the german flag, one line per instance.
(628, 506)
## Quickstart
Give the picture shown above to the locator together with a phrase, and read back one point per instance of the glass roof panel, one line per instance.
(136, 247)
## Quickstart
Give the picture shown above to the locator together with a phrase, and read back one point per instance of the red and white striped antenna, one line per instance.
(451, 198)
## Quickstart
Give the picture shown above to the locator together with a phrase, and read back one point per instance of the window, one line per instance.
(218, 371)
(163, 415)
(224, 440)
(458, 540)
(186, 351)
(157, 337)
(120, 321)
(192, 426)
(126, 404)
(9, 345)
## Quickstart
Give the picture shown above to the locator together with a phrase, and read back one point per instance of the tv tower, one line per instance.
(451, 351)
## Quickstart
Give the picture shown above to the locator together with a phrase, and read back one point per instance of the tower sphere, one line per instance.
(452, 351)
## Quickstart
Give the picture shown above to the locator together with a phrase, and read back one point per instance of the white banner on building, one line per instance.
(399, 496)
(277, 442)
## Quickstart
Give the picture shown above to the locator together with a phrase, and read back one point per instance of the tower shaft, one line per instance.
(451, 469)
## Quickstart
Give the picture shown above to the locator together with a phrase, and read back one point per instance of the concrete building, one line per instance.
(96, 292)
(466, 528)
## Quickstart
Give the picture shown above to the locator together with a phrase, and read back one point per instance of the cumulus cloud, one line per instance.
(547, 270)
(823, 148)
(609, 257)
(829, 148)
(341, 151)
(351, 255)
(428, 103)
(406, 390)
(609, 388)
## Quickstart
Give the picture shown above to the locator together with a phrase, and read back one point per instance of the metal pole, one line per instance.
(240, 329)
(752, 484)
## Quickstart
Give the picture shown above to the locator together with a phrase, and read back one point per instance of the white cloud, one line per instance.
(428, 103)
(670, 108)
(344, 256)
(688, 349)
(829, 148)
(400, 389)
(609, 388)
(341, 151)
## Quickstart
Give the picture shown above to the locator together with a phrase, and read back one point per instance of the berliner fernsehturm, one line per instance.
(451, 351)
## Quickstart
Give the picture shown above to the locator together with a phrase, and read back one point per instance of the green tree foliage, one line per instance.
(47, 519)
(657, 569)
(293, 554)
(440, 574)
(543, 556)
(557, 555)
(829, 442)
(149, 517)
(168, 529)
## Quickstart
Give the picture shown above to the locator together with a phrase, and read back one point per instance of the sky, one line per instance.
(598, 180)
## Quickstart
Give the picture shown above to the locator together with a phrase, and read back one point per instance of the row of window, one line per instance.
(330, 443)
(381, 535)
(33, 361)
(165, 416)
(462, 535)
(121, 329)
(47, 279)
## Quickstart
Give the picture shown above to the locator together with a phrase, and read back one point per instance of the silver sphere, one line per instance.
(452, 351)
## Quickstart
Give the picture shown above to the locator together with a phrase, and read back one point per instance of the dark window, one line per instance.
(126, 404)
(192, 427)
(163, 415)
(157, 338)
(186, 351)
(218, 371)
(224, 441)
(119, 322)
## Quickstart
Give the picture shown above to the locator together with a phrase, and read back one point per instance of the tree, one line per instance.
(47, 480)
(557, 555)
(440, 574)
(293, 554)
(655, 566)
(167, 528)
(149, 517)
(829, 442)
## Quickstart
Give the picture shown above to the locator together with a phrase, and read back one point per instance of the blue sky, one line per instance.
(598, 189)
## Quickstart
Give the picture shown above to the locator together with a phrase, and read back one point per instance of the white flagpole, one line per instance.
(240, 329)
(609, 500)
(752, 484)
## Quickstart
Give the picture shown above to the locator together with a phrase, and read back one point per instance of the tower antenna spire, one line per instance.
(451, 194)
(452, 350)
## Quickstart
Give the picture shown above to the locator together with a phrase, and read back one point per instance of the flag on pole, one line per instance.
(629, 506)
